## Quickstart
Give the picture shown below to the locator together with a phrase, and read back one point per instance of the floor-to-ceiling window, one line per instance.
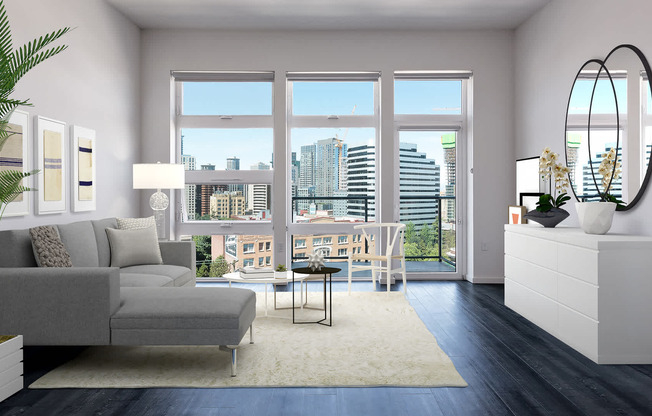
(430, 120)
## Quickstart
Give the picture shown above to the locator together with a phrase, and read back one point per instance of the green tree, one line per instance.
(203, 270)
(202, 246)
(219, 267)
(410, 233)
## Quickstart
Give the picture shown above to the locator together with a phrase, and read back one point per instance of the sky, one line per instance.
(309, 98)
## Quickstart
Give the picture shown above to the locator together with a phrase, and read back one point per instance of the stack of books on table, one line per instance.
(253, 273)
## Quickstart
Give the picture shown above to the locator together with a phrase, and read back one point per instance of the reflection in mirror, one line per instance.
(586, 147)
(593, 128)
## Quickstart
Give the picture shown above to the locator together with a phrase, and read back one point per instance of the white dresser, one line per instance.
(593, 292)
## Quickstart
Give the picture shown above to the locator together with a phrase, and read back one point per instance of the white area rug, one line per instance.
(376, 339)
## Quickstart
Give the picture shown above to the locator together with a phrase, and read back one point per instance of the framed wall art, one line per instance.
(516, 213)
(83, 169)
(51, 160)
(16, 155)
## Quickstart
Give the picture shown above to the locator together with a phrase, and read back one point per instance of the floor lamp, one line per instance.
(159, 176)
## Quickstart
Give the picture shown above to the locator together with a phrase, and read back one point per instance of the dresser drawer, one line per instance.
(532, 305)
(578, 295)
(578, 331)
(578, 262)
(536, 278)
(535, 250)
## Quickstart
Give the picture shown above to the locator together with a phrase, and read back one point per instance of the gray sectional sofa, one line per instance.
(94, 304)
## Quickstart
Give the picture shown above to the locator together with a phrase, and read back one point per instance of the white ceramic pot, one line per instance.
(595, 217)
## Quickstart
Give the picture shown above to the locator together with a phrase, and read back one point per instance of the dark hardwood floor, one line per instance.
(512, 368)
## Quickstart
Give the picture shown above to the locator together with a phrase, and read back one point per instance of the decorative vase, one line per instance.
(548, 219)
(595, 217)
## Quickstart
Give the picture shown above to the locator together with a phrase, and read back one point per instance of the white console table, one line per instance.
(593, 292)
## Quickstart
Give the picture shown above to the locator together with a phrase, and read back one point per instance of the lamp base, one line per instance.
(159, 202)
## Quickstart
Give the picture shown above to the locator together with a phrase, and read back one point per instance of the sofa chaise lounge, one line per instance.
(92, 303)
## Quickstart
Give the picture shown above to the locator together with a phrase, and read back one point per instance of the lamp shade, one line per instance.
(159, 176)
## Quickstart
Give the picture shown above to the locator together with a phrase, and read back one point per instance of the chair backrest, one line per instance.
(393, 233)
(324, 251)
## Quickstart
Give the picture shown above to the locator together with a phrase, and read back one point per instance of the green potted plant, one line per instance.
(548, 211)
(14, 64)
(280, 271)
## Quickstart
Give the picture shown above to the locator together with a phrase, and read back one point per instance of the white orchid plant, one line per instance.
(551, 169)
(610, 170)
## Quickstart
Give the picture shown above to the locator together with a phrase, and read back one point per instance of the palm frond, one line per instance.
(10, 184)
(31, 54)
(5, 32)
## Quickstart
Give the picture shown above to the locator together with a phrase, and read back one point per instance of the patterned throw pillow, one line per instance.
(49, 251)
(135, 223)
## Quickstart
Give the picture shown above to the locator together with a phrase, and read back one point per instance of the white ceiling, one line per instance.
(329, 14)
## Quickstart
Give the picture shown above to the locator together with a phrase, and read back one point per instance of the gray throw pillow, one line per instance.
(133, 247)
(48, 249)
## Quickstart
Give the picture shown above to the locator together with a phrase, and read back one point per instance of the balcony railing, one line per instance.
(365, 218)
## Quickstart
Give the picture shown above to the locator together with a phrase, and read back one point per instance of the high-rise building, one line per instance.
(448, 205)
(258, 194)
(190, 163)
(361, 181)
(330, 166)
(233, 163)
(419, 179)
(573, 142)
(204, 192)
(226, 205)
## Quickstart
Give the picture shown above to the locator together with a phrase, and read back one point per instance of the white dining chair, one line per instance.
(380, 261)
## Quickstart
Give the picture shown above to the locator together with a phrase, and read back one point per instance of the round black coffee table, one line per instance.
(324, 271)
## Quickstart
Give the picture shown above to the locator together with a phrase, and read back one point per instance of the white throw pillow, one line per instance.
(136, 223)
(133, 247)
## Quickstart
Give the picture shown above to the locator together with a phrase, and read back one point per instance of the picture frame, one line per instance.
(84, 173)
(515, 214)
(50, 138)
(529, 200)
(528, 179)
(16, 155)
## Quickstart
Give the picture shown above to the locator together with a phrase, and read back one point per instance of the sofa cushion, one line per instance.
(184, 307)
(103, 248)
(132, 247)
(180, 275)
(16, 249)
(79, 240)
(49, 251)
(145, 280)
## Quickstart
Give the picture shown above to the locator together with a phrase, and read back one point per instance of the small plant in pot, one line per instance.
(548, 211)
(280, 270)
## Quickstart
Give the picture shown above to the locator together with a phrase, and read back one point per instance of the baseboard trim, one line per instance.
(486, 280)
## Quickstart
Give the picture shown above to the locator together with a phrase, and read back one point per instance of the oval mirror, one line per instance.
(592, 115)
(631, 70)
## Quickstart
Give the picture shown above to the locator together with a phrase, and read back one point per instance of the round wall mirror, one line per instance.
(591, 116)
(610, 107)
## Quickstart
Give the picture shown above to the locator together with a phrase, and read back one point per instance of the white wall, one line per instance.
(94, 84)
(488, 54)
(549, 50)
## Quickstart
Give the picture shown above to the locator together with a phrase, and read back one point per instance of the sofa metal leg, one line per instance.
(234, 357)
(251, 333)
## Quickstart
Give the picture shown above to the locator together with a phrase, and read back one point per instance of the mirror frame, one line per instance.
(588, 124)
(603, 65)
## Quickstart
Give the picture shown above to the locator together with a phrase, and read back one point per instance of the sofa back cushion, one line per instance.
(103, 248)
(16, 249)
(79, 239)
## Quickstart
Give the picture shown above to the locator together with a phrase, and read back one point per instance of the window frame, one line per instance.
(182, 225)
(329, 121)
(440, 122)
